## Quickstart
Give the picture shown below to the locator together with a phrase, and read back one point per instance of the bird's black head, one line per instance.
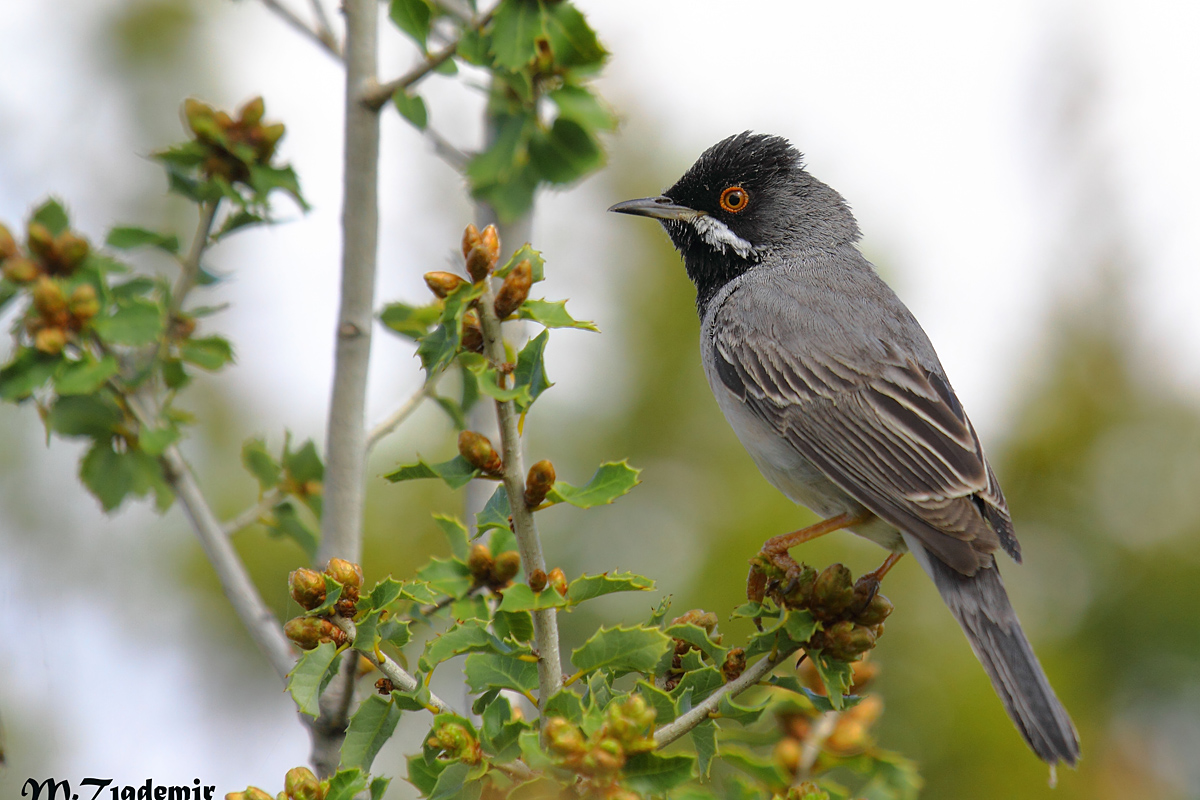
(746, 198)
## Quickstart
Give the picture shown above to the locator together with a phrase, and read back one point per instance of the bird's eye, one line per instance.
(734, 199)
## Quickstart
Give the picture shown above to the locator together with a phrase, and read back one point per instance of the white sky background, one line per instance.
(930, 118)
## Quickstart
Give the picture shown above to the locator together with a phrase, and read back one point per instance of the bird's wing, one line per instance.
(896, 440)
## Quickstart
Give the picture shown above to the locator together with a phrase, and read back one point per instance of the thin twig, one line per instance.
(684, 723)
(324, 27)
(189, 267)
(545, 621)
(324, 37)
(376, 95)
(456, 158)
(254, 513)
(399, 676)
(402, 413)
(810, 748)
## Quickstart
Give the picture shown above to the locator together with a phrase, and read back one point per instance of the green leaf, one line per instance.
(695, 686)
(515, 625)
(155, 441)
(515, 28)
(452, 784)
(396, 632)
(287, 523)
(838, 677)
(346, 784)
(411, 106)
(309, 677)
(565, 153)
(27, 372)
(697, 637)
(662, 703)
(537, 264)
(236, 221)
(419, 592)
(587, 587)
(379, 788)
(530, 373)
(424, 774)
(659, 613)
(265, 178)
(411, 321)
(800, 625)
(489, 382)
(333, 593)
(457, 472)
(474, 47)
(635, 649)
(501, 733)
(761, 769)
(611, 481)
(108, 475)
(261, 464)
(446, 576)
(210, 352)
(553, 315)
(370, 727)
(52, 215)
(519, 597)
(819, 701)
(495, 513)
(126, 238)
(84, 376)
(746, 715)
(414, 17)
(303, 465)
(366, 636)
(420, 700)
(469, 636)
(173, 373)
(704, 739)
(566, 704)
(572, 40)
(654, 773)
(491, 671)
(136, 322)
(508, 152)
(456, 534)
(583, 106)
(89, 415)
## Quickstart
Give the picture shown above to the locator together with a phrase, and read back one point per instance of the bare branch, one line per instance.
(190, 265)
(254, 513)
(322, 35)
(684, 723)
(402, 413)
(545, 621)
(447, 152)
(324, 27)
(395, 673)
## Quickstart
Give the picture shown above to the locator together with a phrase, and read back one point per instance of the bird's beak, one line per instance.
(656, 207)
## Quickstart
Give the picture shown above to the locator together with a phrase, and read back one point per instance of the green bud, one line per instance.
(8, 245)
(196, 114)
(308, 632)
(478, 451)
(252, 113)
(456, 742)
(832, 592)
(876, 611)
(270, 136)
(83, 302)
(506, 567)
(19, 269)
(48, 298)
(344, 572)
(40, 241)
(800, 590)
(307, 587)
(71, 249)
(50, 341)
(301, 784)
(480, 562)
(563, 737)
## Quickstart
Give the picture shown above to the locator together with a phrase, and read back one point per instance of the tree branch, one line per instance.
(393, 671)
(189, 267)
(684, 723)
(545, 621)
(402, 413)
(251, 515)
(322, 35)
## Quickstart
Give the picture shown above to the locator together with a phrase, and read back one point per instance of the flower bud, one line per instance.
(40, 241)
(851, 735)
(563, 737)
(480, 562)
(70, 249)
(350, 576)
(787, 754)
(50, 341)
(270, 136)
(483, 253)
(845, 641)
(252, 112)
(251, 793)
(628, 719)
(19, 269)
(470, 239)
(557, 580)
(308, 632)
(83, 303)
(876, 611)
(832, 592)
(735, 664)
(514, 290)
(797, 592)
(478, 264)
(506, 567)
(8, 245)
(699, 617)
(456, 741)
(472, 334)
(301, 784)
(48, 298)
(223, 120)
(490, 239)
(538, 483)
(307, 587)
(479, 453)
(442, 283)
(196, 113)
(537, 580)
(606, 756)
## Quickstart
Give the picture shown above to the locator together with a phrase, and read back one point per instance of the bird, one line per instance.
(836, 392)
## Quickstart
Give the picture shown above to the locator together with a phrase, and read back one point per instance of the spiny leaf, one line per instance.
(697, 637)
(447, 576)
(495, 513)
(654, 773)
(515, 27)
(370, 727)
(125, 238)
(530, 373)
(492, 671)
(311, 674)
(456, 535)
(346, 784)
(838, 677)
(553, 314)
(611, 481)
(519, 597)
(457, 472)
(411, 321)
(635, 649)
(587, 587)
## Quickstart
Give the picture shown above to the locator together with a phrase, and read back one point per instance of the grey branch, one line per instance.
(545, 621)
(322, 34)
(397, 417)
(399, 676)
(761, 668)
(254, 513)
(189, 267)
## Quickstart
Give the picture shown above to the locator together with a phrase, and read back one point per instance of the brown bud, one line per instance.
(195, 112)
(735, 664)
(70, 249)
(472, 334)
(798, 590)
(40, 241)
(845, 641)
(506, 567)
(223, 120)
(48, 297)
(851, 735)
(385, 686)
(876, 611)
(470, 239)
(83, 303)
(349, 575)
(557, 580)
(19, 269)
(252, 113)
(490, 240)
(308, 632)
(271, 134)
(563, 737)
(480, 563)
(50, 341)
(483, 253)
(832, 592)
(787, 754)
(514, 290)
(538, 483)
(442, 283)
(479, 453)
(307, 587)
(301, 784)
(537, 580)
(8, 245)
(251, 793)
(698, 616)
(478, 264)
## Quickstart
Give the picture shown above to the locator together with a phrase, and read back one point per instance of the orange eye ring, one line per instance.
(735, 199)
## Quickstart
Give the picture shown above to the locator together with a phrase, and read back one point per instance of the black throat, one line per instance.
(708, 269)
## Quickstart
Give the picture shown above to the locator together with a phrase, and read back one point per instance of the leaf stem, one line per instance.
(251, 515)
(399, 676)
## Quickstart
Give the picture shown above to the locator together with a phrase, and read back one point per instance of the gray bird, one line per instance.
(835, 390)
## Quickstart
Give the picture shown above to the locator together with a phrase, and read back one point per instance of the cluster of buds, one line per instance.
(850, 735)
(493, 572)
(58, 310)
(703, 619)
(851, 613)
(299, 784)
(515, 289)
(454, 742)
(805, 790)
(232, 145)
(309, 632)
(600, 757)
(307, 586)
(538, 483)
(556, 579)
(478, 451)
(481, 250)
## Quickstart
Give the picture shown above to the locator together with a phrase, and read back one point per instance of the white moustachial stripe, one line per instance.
(717, 234)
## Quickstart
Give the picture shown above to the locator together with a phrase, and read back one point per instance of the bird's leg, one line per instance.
(868, 585)
(774, 551)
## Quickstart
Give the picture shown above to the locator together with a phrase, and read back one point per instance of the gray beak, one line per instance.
(656, 207)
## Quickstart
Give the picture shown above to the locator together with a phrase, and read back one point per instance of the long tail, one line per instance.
(981, 606)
